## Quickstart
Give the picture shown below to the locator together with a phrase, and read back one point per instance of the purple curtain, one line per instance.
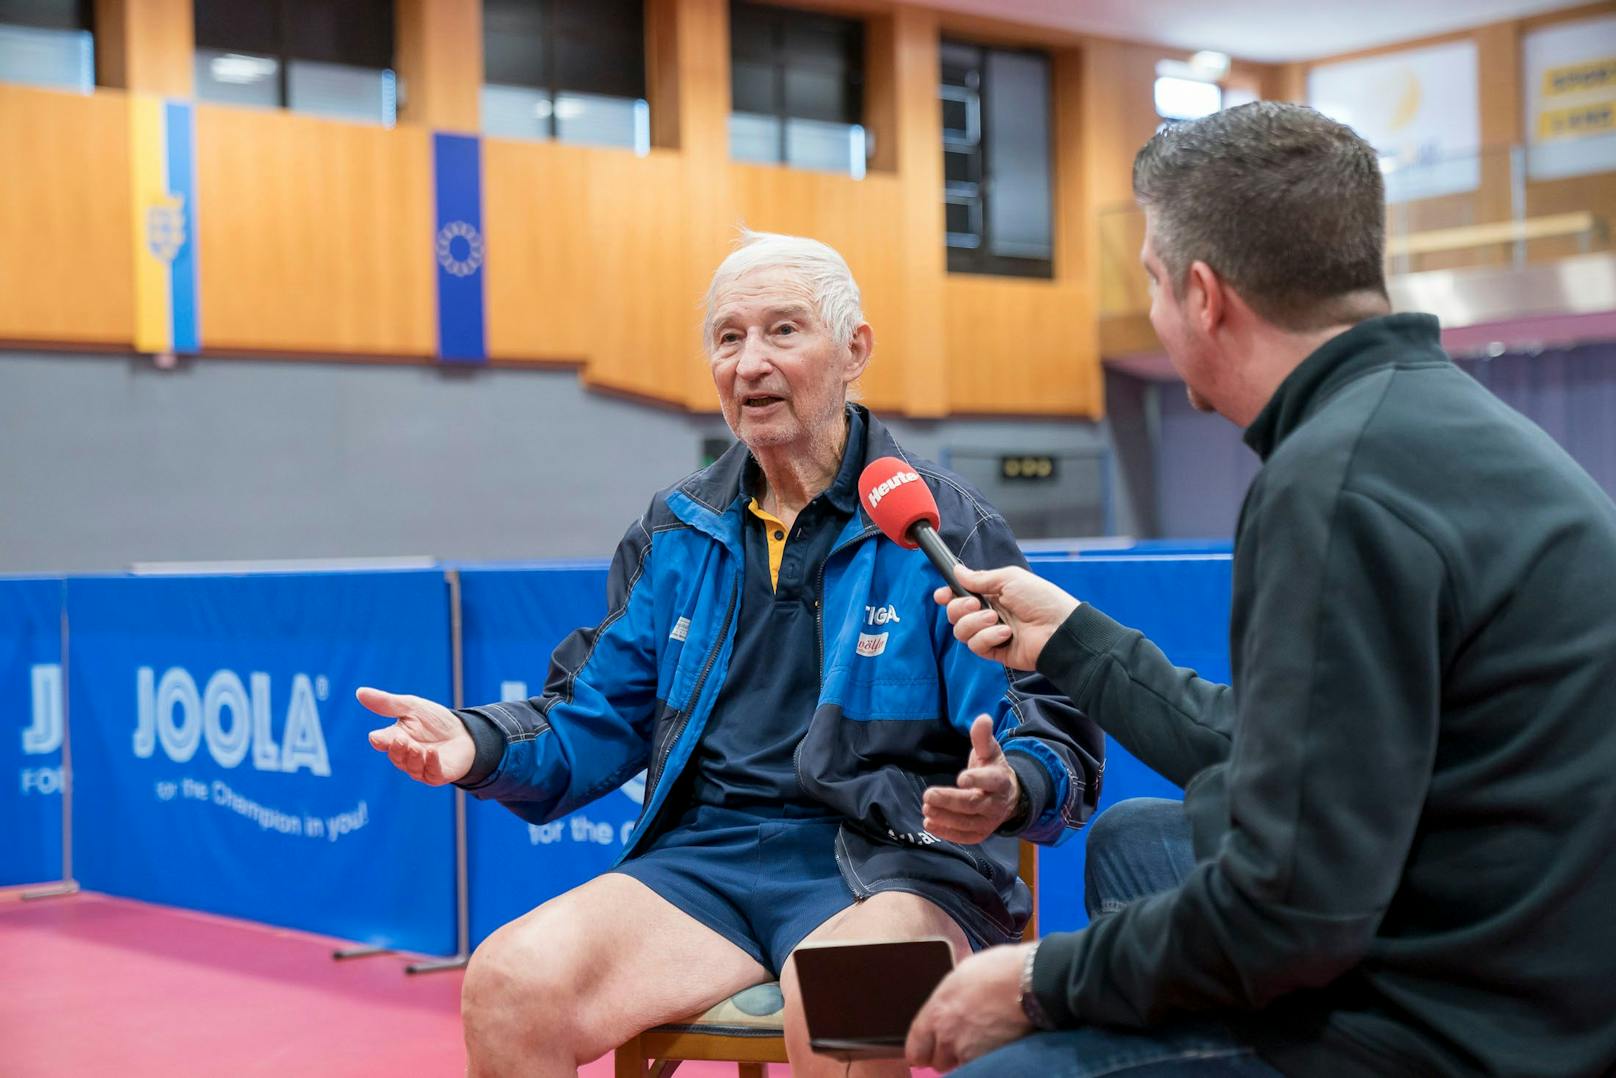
(1203, 468)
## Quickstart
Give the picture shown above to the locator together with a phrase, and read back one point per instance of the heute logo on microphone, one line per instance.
(883, 489)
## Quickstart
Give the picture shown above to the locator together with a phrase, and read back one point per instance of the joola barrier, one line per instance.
(513, 618)
(31, 700)
(221, 762)
(1181, 602)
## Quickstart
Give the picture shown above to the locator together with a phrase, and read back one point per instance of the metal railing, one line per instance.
(1507, 206)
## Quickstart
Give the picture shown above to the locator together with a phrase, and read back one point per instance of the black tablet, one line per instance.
(858, 999)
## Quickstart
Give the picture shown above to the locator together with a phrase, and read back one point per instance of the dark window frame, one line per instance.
(782, 21)
(279, 43)
(83, 17)
(548, 17)
(974, 90)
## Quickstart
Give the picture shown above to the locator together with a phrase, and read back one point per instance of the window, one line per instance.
(797, 86)
(1190, 90)
(47, 43)
(306, 55)
(571, 70)
(996, 161)
(1186, 99)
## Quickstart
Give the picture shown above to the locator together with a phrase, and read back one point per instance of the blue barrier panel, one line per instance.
(221, 761)
(1182, 604)
(511, 619)
(31, 742)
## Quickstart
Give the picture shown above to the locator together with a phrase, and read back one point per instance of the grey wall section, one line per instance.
(109, 461)
(1203, 468)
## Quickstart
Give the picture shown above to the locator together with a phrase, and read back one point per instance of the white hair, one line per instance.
(817, 265)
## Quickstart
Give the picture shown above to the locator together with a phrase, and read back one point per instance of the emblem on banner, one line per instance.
(460, 248)
(165, 226)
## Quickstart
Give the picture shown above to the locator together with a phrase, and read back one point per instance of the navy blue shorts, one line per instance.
(761, 882)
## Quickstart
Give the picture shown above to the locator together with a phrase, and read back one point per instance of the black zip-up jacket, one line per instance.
(1404, 808)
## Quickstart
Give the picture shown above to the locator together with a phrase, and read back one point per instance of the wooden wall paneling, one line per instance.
(662, 71)
(439, 57)
(1079, 365)
(1498, 62)
(66, 218)
(316, 236)
(1119, 116)
(707, 210)
(1285, 82)
(146, 46)
(543, 279)
(920, 336)
(881, 91)
(643, 291)
(1020, 347)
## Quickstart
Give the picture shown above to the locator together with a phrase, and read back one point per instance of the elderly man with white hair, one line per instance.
(824, 762)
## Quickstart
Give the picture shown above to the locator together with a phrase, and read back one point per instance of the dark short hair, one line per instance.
(1285, 204)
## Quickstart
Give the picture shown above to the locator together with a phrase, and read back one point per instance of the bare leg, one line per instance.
(585, 972)
(890, 915)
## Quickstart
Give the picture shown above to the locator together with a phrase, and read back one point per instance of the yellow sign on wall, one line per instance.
(1570, 84)
(1576, 121)
(1576, 78)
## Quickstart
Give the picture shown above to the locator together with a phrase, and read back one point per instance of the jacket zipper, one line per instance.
(695, 693)
(848, 876)
(819, 634)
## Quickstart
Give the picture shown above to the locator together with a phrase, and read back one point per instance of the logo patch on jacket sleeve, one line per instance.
(681, 629)
(872, 644)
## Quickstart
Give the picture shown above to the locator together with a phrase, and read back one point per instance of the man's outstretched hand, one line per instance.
(1031, 606)
(984, 798)
(427, 741)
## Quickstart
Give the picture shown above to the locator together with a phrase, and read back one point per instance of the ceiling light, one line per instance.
(1210, 65)
(233, 67)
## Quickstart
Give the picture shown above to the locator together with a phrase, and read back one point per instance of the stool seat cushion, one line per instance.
(758, 1011)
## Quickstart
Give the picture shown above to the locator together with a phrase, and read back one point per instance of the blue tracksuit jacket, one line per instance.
(896, 701)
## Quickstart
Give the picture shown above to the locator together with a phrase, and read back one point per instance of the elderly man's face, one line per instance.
(782, 379)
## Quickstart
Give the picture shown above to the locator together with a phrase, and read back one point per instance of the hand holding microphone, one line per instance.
(1006, 615)
(901, 505)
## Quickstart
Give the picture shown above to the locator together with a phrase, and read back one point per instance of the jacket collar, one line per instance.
(1369, 345)
(713, 499)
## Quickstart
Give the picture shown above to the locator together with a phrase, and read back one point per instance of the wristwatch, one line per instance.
(1029, 1001)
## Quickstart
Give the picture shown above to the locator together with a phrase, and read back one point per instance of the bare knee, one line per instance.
(516, 995)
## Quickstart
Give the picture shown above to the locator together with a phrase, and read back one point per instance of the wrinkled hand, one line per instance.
(1033, 607)
(427, 742)
(975, 1009)
(985, 797)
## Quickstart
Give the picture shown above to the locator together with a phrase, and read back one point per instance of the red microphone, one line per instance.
(900, 503)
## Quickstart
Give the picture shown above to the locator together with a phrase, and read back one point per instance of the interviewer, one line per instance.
(1397, 849)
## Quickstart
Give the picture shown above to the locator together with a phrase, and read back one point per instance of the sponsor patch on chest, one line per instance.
(681, 629)
(872, 644)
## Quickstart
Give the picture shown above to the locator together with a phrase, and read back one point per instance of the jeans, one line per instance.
(1135, 848)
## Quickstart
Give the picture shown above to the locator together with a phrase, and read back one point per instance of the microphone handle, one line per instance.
(945, 560)
(942, 557)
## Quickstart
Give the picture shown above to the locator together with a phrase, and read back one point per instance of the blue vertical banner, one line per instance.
(180, 127)
(162, 172)
(31, 706)
(221, 761)
(511, 620)
(458, 247)
(1181, 602)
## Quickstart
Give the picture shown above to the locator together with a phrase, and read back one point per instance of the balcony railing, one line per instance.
(1502, 208)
